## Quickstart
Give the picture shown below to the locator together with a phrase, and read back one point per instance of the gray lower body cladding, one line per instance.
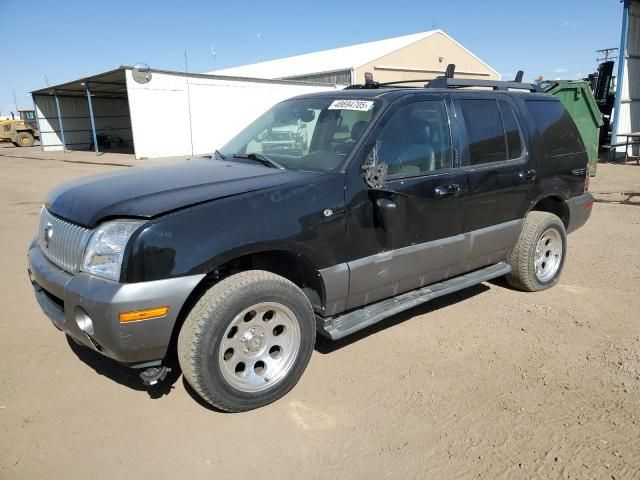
(390, 273)
(67, 298)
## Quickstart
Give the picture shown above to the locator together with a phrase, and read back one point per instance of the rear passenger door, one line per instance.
(499, 173)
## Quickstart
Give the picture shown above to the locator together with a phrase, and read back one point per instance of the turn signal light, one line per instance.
(146, 314)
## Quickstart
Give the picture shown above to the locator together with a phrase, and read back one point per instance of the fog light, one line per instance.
(146, 314)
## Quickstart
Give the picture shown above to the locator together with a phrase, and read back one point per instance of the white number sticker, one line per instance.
(358, 105)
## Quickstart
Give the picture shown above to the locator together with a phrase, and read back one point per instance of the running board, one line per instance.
(348, 323)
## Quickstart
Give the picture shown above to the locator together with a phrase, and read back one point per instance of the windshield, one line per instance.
(306, 134)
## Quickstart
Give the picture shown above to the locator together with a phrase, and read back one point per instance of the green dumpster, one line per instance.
(577, 98)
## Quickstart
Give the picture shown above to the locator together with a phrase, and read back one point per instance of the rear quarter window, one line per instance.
(559, 133)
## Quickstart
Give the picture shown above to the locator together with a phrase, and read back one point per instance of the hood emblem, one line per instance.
(47, 235)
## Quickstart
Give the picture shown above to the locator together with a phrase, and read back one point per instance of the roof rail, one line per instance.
(443, 82)
(448, 81)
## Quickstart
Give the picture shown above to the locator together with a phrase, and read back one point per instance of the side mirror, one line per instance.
(375, 176)
(374, 173)
(387, 214)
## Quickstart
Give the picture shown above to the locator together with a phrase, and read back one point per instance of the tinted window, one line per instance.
(559, 133)
(514, 140)
(416, 140)
(487, 141)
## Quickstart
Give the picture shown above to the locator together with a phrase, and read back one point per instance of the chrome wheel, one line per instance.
(259, 347)
(548, 255)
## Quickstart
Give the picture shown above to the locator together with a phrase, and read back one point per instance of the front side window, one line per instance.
(416, 140)
(487, 141)
(306, 134)
(559, 134)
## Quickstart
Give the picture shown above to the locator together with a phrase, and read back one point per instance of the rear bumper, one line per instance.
(69, 299)
(579, 211)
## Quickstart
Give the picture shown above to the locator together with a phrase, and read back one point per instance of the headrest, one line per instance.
(419, 134)
(357, 129)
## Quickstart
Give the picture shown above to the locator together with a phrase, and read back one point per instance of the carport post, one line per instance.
(64, 144)
(622, 58)
(93, 122)
(35, 112)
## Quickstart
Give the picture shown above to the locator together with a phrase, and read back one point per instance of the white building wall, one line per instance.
(167, 117)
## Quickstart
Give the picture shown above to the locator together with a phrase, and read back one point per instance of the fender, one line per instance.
(199, 239)
(550, 187)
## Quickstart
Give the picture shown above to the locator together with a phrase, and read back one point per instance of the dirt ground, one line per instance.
(488, 383)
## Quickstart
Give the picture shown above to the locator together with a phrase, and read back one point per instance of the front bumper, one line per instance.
(68, 299)
(579, 211)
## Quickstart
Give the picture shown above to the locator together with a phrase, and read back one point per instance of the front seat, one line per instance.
(357, 130)
(419, 156)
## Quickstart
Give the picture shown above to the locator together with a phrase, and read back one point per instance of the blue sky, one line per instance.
(65, 40)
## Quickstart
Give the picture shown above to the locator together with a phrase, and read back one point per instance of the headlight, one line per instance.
(104, 252)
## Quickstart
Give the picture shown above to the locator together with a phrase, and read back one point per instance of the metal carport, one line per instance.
(72, 115)
(171, 114)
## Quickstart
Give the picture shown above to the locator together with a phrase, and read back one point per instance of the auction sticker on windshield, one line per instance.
(358, 105)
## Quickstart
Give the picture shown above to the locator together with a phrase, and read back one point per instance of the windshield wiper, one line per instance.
(217, 155)
(262, 159)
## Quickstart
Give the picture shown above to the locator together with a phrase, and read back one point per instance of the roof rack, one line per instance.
(448, 81)
(443, 82)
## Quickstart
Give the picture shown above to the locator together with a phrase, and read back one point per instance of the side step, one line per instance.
(348, 323)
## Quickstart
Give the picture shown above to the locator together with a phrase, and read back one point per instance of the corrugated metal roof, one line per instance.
(336, 59)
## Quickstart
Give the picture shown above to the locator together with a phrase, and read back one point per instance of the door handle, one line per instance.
(442, 191)
(528, 176)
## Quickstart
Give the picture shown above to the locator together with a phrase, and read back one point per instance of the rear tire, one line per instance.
(538, 257)
(25, 139)
(247, 341)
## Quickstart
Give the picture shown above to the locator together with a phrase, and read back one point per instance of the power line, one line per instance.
(607, 54)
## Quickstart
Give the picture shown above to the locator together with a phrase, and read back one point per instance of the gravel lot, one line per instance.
(488, 383)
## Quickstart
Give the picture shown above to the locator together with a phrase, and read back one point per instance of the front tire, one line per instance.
(25, 139)
(247, 341)
(538, 257)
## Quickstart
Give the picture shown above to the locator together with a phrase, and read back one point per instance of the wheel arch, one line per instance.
(552, 204)
(292, 265)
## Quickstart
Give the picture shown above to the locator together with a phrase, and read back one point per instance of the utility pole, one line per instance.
(15, 102)
(607, 54)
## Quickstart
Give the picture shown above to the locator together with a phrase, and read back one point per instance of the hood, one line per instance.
(146, 192)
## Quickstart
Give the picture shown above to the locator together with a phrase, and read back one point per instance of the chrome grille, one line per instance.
(62, 242)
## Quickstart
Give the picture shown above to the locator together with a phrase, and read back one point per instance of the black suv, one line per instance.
(328, 213)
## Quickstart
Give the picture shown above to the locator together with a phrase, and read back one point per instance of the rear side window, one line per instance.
(514, 140)
(487, 141)
(559, 133)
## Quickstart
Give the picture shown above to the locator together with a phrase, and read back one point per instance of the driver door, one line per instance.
(408, 233)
